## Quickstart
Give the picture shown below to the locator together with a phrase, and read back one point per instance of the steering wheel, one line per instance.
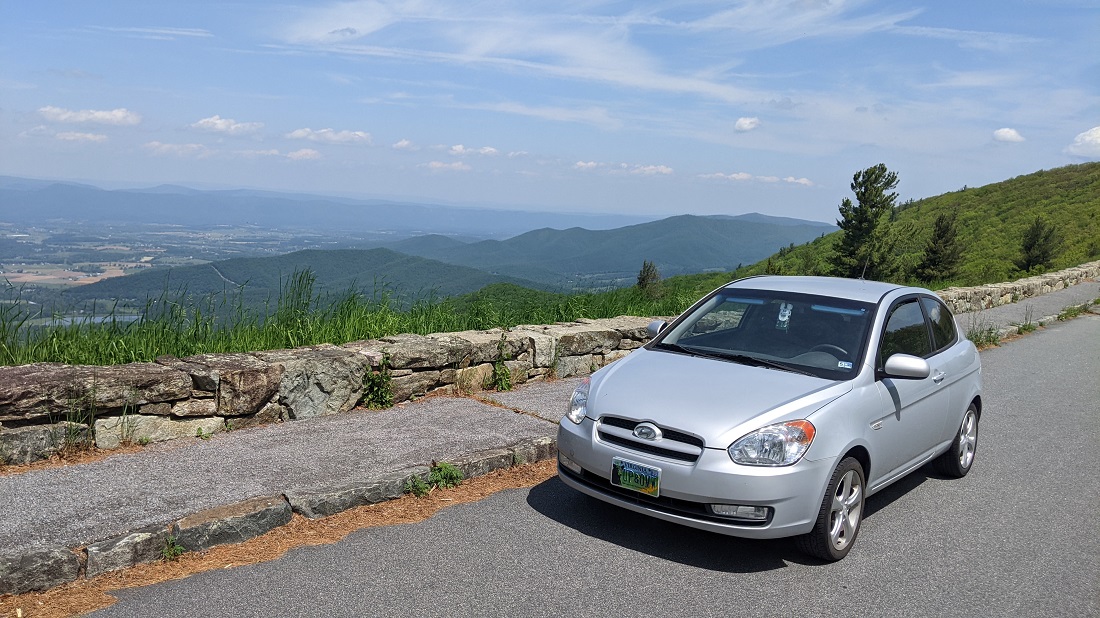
(830, 348)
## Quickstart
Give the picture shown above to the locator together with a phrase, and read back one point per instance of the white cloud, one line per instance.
(651, 170)
(405, 145)
(746, 124)
(746, 177)
(179, 150)
(516, 154)
(585, 165)
(120, 116)
(72, 136)
(305, 154)
(1007, 135)
(229, 126)
(457, 166)
(165, 34)
(1086, 144)
(460, 150)
(259, 153)
(331, 136)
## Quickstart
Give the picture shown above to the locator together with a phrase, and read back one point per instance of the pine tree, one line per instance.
(1039, 245)
(649, 279)
(866, 247)
(942, 253)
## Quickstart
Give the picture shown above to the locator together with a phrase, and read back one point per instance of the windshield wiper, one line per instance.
(755, 361)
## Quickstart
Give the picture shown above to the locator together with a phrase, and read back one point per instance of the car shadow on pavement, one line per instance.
(681, 544)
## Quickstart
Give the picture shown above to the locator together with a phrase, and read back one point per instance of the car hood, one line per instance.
(719, 401)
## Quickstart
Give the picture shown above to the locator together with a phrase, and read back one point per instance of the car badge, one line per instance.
(647, 431)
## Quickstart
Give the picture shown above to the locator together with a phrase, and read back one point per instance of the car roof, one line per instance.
(854, 289)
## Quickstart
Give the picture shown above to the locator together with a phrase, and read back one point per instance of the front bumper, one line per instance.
(792, 493)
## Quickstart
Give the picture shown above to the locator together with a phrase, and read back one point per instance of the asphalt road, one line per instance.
(1017, 537)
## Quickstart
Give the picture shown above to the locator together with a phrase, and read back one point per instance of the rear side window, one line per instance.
(944, 332)
(905, 332)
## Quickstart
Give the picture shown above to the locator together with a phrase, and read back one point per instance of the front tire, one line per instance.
(840, 516)
(959, 458)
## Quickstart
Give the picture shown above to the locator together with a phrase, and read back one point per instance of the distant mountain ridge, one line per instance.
(37, 201)
(578, 257)
(372, 272)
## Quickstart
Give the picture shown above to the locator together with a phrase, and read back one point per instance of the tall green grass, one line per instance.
(182, 326)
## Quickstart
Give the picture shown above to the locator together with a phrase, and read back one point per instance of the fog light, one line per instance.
(569, 464)
(741, 511)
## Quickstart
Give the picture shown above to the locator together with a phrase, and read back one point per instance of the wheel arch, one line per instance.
(863, 456)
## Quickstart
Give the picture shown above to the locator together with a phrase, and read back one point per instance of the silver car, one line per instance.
(775, 406)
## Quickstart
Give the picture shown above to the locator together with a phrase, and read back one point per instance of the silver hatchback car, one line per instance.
(775, 406)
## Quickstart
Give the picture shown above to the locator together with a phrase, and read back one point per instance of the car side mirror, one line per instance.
(655, 327)
(906, 367)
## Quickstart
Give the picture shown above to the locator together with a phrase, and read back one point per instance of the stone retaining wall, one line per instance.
(46, 406)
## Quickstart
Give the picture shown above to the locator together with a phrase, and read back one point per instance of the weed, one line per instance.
(202, 434)
(445, 475)
(378, 386)
(417, 486)
(1029, 325)
(1073, 311)
(442, 475)
(172, 549)
(982, 332)
(501, 378)
(144, 440)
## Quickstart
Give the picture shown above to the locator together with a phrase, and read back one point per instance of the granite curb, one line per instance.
(42, 569)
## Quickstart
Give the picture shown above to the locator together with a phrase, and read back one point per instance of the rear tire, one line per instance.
(840, 516)
(959, 458)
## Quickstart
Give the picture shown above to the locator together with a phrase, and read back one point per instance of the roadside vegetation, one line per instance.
(1028, 225)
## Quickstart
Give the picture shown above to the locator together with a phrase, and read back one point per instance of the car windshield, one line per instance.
(805, 333)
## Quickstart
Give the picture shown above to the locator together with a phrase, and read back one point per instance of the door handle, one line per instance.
(939, 377)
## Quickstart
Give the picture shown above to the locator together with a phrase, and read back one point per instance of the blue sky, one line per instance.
(637, 107)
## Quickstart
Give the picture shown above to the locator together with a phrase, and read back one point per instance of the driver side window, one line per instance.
(905, 332)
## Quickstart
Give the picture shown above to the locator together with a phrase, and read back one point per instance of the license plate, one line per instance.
(633, 475)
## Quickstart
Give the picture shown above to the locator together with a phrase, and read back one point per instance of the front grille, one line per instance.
(669, 435)
(686, 508)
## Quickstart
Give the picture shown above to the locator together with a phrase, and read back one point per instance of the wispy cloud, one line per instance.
(178, 150)
(72, 136)
(405, 144)
(595, 116)
(331, 136)
(217, 124)
(120, 116)
(305, 154)
(439, 166)
(459, 150)
(164, 34)
(746, 177)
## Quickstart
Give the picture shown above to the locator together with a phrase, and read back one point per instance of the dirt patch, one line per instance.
(69, 457)
(89, 595)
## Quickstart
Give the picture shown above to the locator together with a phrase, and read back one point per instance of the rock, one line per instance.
(194, 407)
(486, 346)
(413, 385)
(142, 546)
(37, 570)
(156, 409)
(42, 390)
(233, 523)
(542, 345)
(323, 504)
(24, 445)
(419, 352)
(534, 449)
(112, 432)
(484, 462)
(243, 382)
(577, 365)
(273, 412)
(319, 380)
(473, 379)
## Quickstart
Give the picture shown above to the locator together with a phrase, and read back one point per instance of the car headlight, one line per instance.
(578, 403)
(775, 445)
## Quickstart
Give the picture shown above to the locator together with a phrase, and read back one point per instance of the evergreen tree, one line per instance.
(942, 253)
(1039, 245)
(866, 246)
(649, 279)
